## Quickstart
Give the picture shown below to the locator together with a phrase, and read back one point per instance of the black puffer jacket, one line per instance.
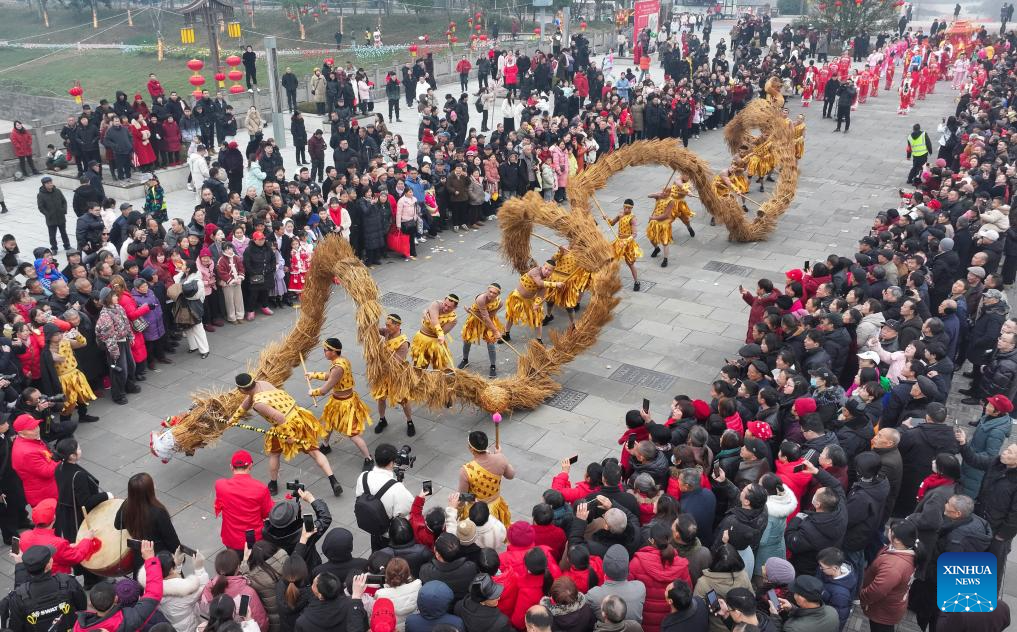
(457, 575)
(480, 618)
(753, 519)
(1000, 374)
(337, 547)
(259, 260)
(865, 502)
(983, 334)
(997, 499)
(811, 531)
(918, 446)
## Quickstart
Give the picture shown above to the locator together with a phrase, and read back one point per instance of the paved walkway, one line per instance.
(670, 338)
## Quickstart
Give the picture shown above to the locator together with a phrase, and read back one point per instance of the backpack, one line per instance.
(369, 510)
(50, 611)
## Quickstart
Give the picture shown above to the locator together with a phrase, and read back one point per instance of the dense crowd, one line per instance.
(822, 474)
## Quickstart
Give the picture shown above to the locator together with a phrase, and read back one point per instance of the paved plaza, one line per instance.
(672, 337)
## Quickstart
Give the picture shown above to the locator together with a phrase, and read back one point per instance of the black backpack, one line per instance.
(369, 510)
(49, 611)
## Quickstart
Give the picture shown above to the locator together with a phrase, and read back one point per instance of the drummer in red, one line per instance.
(33, 461)
(65, 554)
(243, 502)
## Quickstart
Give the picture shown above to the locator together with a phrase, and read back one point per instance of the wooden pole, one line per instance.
(304, 365)
(604, 215)
(542, 238)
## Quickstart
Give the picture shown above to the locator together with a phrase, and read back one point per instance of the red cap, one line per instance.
(702, 410)
(1001, 403)
(760, 430)
(241, 458)
(205, 252)
(45, 512)
(258, 235)
(805, 405)
(25, 422)
(383, 616)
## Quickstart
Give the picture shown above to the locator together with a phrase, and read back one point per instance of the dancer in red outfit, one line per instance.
(890, 68)
(905, 96)
(863, 81)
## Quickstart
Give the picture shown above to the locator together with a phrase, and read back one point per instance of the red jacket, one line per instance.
(65, 554)
(21, 141)
(647, 567)
(244, 503)
(884, 590)
(757, 308)
(552, 537)
(582, 489)
(797, 482)
(421, 533)
(463, 66)
(519, 596)
(155, 88)
(674, 490)
(642, 433)
(131, 618)
(734, 422)
(35, 466)
(582, 577)
(582, 84)
(512, 559)
(138, 351)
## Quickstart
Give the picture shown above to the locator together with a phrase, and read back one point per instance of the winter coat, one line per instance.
(264, 583)
(999, 375)
(237, 586)
(997, 499)
(928, 517)
(479, 618)
(32, 460)
(457, 575)
(180, 596)
(648, 567)
(754, 520)
(129, 618)
(527, 590)
(433, 603)
(259, 260)
(404, 600)
(633, 593)
(317, 84)
(341, 614)
(376, 220)
(810, 532)
(156, 325)
(984, 332)
(133, 311)
(171, 137)
(869, 327)
(52, 205)
(415, 554)
(779, 508)
(885, 586)
(721, 583)
(988, 440)
(757, 308)
(838, 592)
(118, 140)
(21, 141)
(821, 619)
(865, 503)
(577, 616)
(88, 231)
(918, 446)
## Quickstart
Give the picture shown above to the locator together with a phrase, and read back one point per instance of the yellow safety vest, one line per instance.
(918, 147)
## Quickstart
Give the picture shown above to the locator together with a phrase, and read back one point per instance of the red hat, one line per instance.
(760, 430)
(137, 96)
(383, 616)
(241, 458)
(702, 410)
(25, 422)
(45, 512)
(258, 235)
(205, 252)
(794, 275)
(1001, 403)
(521, 534)
(935, 205)
(805, 405)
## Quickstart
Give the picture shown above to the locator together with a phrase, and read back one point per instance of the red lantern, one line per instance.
(858, 3)
(582, 26)
(236, 89)
(330, 61)
(236, 75)
(453, 39)
(452, 26)
(483, 37)
(413, 50)
(536, 31)
(220, 78)
(195, 65)
(233, 61)
(838, 4)
(196, 80)
(473, 38)
(315, 15)
(76, 92)
(477, 27)
(478, 15)
(196, 94)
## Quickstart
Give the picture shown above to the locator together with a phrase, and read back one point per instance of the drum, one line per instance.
(113, 559)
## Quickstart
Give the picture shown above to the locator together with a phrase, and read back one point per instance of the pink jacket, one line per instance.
(236, 587)
(406, 210)
(560, 160)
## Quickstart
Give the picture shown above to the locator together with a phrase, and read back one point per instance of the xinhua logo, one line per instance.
(966, 582)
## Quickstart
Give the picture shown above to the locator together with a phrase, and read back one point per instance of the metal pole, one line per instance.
(213, 36)
(275, 102)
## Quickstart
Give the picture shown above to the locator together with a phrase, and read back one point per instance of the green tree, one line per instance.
(851, 17)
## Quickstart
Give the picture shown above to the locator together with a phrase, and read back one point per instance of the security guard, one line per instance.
(918, 151)
(43, 600)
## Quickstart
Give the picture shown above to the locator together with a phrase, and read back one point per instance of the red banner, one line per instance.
(646, 16)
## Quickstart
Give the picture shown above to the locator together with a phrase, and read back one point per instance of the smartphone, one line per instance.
(467, 497)
(716, 469)
(249, 535)
(245, 601)
(427, 487)
(631, 443)
(712, 601)
(806, 265)
(646, 405)
(186, 550)
(772, 595)
(375, 580)
(16, 545)
(574, 459)
(308, 522)
(134, 544)
(798, 468)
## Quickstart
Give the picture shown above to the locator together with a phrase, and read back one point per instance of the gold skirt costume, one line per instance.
(659, 232)
(720, 187)
(392, 393)
(301, 425)
(740, 182)
(574, 281)
(73, 382)
(475, 329)
(347, 415)
(761, 161)
(799, 140)
(626, 248)
(425, 349)
(487, 488)
(523, 311)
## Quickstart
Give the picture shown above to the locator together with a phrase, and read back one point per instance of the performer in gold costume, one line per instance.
(625, 246)
(77, 393)
(430, 346)
(388, 391)
(482, 477)
(574, 280)
(799, 127)
(295, 428)
(761, 161)
(482, 325)
(671, 205)
(344, 412)
(523, 304)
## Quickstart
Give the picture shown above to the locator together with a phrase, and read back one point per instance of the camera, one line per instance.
(295, 485)
(403, 460)
(9, 378)
(59, 397)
